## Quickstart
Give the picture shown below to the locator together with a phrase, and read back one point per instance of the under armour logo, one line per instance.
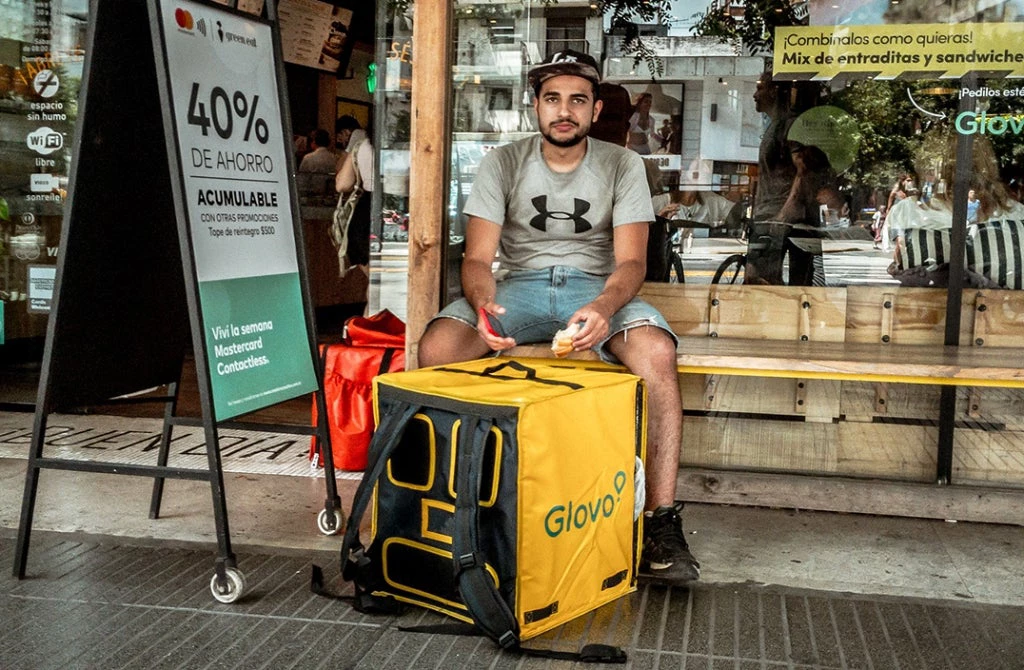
(540, 222)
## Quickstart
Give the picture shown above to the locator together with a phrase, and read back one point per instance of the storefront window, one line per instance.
(389, 234)
(41, 59)
(832, 156)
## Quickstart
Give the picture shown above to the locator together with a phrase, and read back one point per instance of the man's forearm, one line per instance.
(621, 286)
(477, 283)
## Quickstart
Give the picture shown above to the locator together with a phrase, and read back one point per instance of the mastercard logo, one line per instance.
(183, 18)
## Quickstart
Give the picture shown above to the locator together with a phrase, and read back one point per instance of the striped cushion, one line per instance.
(994, 251)
(923, 246)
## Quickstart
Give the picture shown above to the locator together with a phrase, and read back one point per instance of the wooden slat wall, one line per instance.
(854, 429)
(757, 312)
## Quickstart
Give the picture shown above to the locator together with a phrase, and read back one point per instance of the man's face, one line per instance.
(565, 109)
(342, 137)
(764, 95)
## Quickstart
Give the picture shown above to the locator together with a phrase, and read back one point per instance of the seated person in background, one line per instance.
(567, 216)
(923, 230)
(321, 158)
(700, 206)
(814, 187)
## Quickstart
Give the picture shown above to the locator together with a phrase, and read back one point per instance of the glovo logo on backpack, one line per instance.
(579, 513)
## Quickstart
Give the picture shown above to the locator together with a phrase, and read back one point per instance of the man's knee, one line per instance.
(645, 347)
(449, 341)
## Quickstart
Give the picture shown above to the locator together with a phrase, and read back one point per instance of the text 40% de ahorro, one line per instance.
(223, 109)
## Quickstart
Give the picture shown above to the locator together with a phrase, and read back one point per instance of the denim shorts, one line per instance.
(538, 303)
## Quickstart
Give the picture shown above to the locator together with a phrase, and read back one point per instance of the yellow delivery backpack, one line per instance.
(502, 493)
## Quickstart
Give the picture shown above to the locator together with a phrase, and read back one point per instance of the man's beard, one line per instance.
(571, 141)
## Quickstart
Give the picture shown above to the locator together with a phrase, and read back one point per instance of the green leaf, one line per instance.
(5, 211)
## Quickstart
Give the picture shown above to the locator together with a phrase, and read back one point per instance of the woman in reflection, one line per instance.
(357, 169)
(641, 125)
(901, 190)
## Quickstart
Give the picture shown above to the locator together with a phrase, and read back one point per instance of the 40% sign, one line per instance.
(223, 109)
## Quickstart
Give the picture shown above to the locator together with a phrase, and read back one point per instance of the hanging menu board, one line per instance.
(236, 191)
(314, 34)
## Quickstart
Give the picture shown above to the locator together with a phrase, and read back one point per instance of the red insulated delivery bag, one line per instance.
(370, 346)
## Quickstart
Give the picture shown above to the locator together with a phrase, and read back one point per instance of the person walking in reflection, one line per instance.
(881, 229)
(793, 181)
(994, 239)
(973, 205)
(901, 190)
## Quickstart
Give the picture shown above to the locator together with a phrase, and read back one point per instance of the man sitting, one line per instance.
(567, 216)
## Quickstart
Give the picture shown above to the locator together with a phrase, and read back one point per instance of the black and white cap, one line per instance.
(564, 62)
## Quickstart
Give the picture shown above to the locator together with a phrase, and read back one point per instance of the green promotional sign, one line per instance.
(237, 194)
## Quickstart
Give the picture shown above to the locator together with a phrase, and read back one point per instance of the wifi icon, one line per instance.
(201, 26)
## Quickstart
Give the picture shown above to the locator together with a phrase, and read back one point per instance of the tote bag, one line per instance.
(343, 215)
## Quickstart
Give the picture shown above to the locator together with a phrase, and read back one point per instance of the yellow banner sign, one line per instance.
(937, 50)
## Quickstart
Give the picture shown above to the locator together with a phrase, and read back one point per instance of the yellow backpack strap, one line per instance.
(385, 439)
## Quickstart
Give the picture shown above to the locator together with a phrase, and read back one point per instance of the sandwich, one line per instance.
(562, 345)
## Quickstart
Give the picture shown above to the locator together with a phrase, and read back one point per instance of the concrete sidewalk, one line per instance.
(816, 550)
(106, 604)
(108, 587)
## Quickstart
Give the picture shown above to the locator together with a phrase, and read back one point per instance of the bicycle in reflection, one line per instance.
(778, 253)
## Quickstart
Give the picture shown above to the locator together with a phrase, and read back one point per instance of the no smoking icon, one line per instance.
(46, 83)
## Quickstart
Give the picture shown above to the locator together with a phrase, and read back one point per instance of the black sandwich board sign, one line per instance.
(181, 231)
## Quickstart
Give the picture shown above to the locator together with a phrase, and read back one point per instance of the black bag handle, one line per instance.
(530, 374)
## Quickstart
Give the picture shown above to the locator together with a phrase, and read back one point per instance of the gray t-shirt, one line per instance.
(550, 218)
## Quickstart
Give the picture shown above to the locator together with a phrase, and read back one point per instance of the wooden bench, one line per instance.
(844, 361)
(853, 361)
(847, 354)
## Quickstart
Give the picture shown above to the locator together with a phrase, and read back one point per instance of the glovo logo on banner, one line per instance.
(980, 123)
(941, 50)
(578, 514)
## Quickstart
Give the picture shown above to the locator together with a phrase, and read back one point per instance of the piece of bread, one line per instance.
(561, 344)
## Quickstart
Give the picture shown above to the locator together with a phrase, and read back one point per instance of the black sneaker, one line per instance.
(665, 554)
